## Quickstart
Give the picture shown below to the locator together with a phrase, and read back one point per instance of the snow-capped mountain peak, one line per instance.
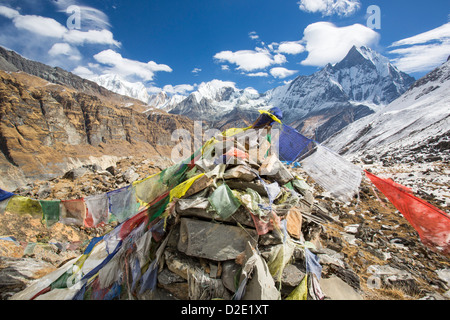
(213, 90)
(117, 84)
(416, 121)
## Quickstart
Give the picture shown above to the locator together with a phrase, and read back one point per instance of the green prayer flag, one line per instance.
(50, 211)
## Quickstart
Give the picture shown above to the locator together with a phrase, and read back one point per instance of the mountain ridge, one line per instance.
(318, 105)
(419, 120)
(11, 61)
(48, 128)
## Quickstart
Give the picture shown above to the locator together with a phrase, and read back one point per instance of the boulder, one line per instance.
(274, 169)
(213, 241)
(260, 283)
(335, 288)
(17, 273)
(75, 173)
(241, 172)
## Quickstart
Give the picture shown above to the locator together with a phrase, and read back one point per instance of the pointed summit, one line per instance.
(356, 56)
(367, 76)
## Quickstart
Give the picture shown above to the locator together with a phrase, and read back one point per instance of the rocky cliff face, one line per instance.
(12, 62)
(46, 129)
(318, 105)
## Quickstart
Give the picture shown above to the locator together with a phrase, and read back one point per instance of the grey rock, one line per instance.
(291, 276)
(274, 169)
(130, 175)
(213, 241)
(112, 170)
(335, 288)
(16, 274)
(44, 191)
(241, 172)
(166, 277)
(75, 173)
(199, 207)
(260, 285)
(229, 272)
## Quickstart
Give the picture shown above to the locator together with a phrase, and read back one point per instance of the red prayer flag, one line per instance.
(432, 224)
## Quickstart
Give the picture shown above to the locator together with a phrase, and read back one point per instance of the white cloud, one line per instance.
(178, 89)
(440, 33)
(421, 58)
(279, 59)
(92, 18)
(65, 50)
(257, 74)
(291, 47)
(129, 69)
(327, 43)
(225, 67)
(92, 36)
(253, 35)
(247, 60)
(196, 70)
(8, 12)
(60, 48)
(154, 90)
(423, 52)
(48, 27)
(43, 26)
(250, 60)
(84, 72)
(282, 73)
(330, 7)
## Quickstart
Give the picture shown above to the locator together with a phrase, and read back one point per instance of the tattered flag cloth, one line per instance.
(97, 210)
(149, 189)
(335, 174)
(224, 202)
(432, 224)
(24, 205)
(50, 210)
(312, 263)
(72, 212)
(5, 195)
(3, 205)
(123, 203)
(268, 117)
(180, 190)
(301, 292)
(291, 144)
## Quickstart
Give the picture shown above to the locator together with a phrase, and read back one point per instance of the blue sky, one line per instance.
(176, 45)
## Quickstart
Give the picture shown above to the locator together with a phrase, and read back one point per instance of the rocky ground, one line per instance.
(366, 243)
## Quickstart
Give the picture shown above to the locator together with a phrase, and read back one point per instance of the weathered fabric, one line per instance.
(123, 203)
(51, 211)
(312, 263)
(3, 205)
(24, 205)
(301, 292)
(224, 202)
(335, 174)
(431, 223)
(5, 195)
(97, 209)
(72, 212)
(291, 144)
